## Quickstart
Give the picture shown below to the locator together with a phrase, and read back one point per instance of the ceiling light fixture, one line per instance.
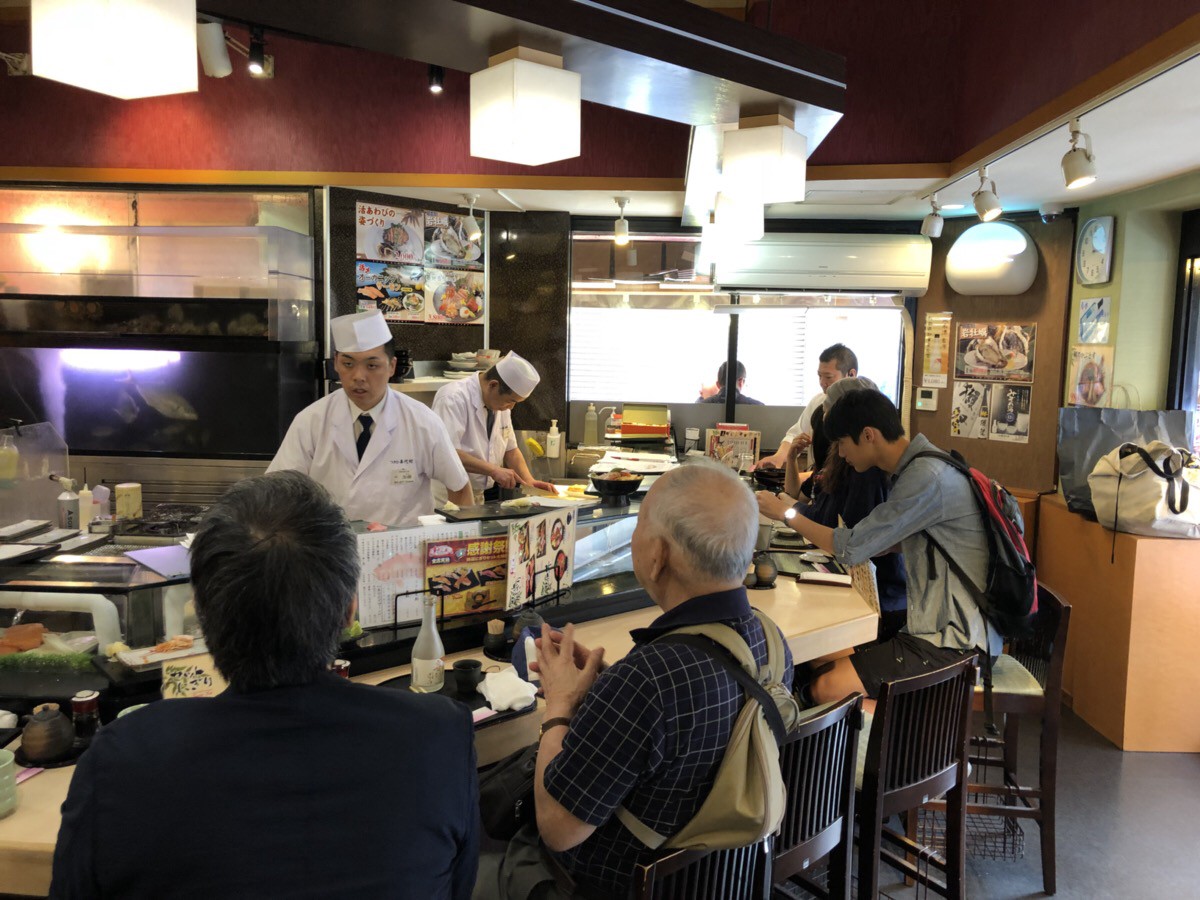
(1079, 163)
(986, 200)
(931, 225)
(525, 108)
(738, 220)
(123, 48)
(765, 159)
(436, 76)
(256, 58)
(621, 227)
(471, 224)
(214, 54)
(947, 207)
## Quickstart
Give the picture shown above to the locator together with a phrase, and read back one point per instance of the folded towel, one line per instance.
(505, 690)
(432, 519)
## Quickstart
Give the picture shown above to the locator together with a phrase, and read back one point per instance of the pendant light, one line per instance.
(985, 198)
(621, 227)
(437, 75)
(1079, 163)
(470, 223)
(931, 225)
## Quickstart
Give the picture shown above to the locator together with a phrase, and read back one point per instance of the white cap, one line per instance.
(359, 332)
(518, 374)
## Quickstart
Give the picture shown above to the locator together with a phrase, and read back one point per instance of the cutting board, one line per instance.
(492, 510)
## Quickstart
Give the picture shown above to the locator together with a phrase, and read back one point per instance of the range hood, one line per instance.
(827, 263)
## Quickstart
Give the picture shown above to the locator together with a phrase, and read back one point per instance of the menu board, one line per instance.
(541, 556)
(996, 352)
(729, 445)
(398, 291)
(447, 245)
(470, 575)
(391, 582)
(389, 233)
(453, 297)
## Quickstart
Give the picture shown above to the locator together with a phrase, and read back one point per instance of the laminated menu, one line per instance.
(541, 556)
(468, 575)
(728, 444)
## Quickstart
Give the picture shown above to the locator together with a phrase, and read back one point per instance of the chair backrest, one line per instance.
(918, 744)
(742, 873)
(1043, 650)
(818, 760)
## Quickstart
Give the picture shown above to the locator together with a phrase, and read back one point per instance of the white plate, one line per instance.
(146, 657)
(971, 358)
(455, 376)
(462, 365)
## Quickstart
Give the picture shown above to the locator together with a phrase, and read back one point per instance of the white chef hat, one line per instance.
(518, 374)
(359, 332)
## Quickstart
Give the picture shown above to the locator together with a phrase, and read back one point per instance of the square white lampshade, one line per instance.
(769, 161)
(739, 219)
(124, 48)
(525, 112)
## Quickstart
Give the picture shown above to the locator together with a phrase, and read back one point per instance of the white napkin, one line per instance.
(505, 690)
(432, 519)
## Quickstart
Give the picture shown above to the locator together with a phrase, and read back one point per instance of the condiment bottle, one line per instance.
(341, 667)
(10, 456)
(428, 668)
(85, 714)
(590, 435)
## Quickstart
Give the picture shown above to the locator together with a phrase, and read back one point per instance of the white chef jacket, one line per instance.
(804, 423)
(459, 405)
(392, 483)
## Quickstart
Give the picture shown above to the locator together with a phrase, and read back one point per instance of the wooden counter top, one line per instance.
(816, 619)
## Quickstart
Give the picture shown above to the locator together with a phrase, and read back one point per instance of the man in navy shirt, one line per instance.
(650, 731)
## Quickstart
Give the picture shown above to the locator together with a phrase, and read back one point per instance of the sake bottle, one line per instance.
(428, 669)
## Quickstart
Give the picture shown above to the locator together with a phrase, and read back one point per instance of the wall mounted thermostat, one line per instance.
(927, 399)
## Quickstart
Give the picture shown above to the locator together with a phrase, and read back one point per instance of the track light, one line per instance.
(471, 224)
(256, 59)
(214, 55)
(931, 225)
(436, 75)
(621, 227)
(1079, 163)
(987, 202)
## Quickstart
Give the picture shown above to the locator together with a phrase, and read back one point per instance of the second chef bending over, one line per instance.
(477, 411)
(376, 451)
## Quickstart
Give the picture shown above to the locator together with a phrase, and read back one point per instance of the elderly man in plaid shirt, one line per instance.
(648, 732)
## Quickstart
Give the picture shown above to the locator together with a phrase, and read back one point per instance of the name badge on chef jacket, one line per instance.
(403, 475)
(507, 433)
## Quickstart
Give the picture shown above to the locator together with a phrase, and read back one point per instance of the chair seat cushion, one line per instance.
(1010, 677)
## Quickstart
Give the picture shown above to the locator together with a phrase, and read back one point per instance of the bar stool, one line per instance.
(741, 873)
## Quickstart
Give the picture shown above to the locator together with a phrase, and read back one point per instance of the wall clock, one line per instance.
(1093, 253)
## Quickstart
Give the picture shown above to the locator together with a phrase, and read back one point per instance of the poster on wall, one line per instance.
(937, 348)
(453, 297)
(995, 352)
(541, 556)
(469, 575)
(1093, 320)
(397, 290)
(1090, 374)
(389, 233)
(970, 410)
(447, 245)
(1010, 413)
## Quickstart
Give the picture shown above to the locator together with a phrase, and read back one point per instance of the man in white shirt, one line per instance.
(376, 451)
(477, 412)
(834, 364)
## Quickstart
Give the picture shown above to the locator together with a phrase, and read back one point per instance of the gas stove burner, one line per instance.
(173, 512)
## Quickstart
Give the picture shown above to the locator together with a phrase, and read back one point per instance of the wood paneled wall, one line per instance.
(1032, 466)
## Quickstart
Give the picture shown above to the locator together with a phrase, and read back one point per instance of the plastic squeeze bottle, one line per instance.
(591, 435)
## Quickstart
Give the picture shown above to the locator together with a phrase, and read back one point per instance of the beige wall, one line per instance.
(1145, 257)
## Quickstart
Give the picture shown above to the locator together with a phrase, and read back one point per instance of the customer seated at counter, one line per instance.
(649, 732)
(927, 496)
(717, 393)
(294, 782)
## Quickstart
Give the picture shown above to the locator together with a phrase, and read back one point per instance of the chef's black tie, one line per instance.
(491, 420)
(364, 438)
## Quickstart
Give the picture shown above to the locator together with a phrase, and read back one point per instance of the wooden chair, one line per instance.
(743, 873)
(818, 762)
(1027, 680)
(917, 749)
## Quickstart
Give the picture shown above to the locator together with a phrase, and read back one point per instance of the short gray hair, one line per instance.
(717, 539)
(844, 386)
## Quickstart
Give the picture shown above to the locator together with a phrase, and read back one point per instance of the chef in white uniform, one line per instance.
(477, 411)
(375, 450)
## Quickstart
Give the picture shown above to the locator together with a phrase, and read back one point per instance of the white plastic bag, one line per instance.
(1152, 489)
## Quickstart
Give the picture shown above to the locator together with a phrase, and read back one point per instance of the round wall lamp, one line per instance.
(990, 259)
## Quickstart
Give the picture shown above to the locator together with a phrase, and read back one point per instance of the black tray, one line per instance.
(471, 699)
(69, 760)
(491, 510)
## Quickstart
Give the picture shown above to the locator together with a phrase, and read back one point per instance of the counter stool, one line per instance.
(742, 873)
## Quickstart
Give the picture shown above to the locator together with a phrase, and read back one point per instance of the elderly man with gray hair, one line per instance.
(649, 732)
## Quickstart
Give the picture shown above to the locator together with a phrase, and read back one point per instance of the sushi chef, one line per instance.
(376, 451)
(477, 411)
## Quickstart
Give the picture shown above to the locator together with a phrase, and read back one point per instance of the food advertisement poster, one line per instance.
(970, 410)
(469, 575)
(729, 445)
(446, 243)
(1093, 320)
(995, 352)
(541, 556)
(937, 349)
(1010, 413)
(398, 291)
(1090, 374)
(391, 581)
(453, 297)
(389, 233)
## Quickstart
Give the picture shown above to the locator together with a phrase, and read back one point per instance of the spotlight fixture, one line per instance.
(986, 200)
(1079, 163)
(214, 54)
(471, 224)
(256, 58)
(436, 75)
(621, 227)
(931, 225)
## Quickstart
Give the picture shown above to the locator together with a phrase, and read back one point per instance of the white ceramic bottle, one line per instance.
(428, 667)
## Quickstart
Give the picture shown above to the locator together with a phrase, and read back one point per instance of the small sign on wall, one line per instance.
(935, 371)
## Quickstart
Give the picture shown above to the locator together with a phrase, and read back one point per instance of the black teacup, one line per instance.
(468, 673)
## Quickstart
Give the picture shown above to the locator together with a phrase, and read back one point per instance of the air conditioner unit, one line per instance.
(827, 263)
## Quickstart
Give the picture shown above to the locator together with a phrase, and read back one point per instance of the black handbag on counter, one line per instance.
(506, 793)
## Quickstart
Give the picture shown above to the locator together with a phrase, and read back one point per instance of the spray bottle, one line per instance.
(68, 502)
